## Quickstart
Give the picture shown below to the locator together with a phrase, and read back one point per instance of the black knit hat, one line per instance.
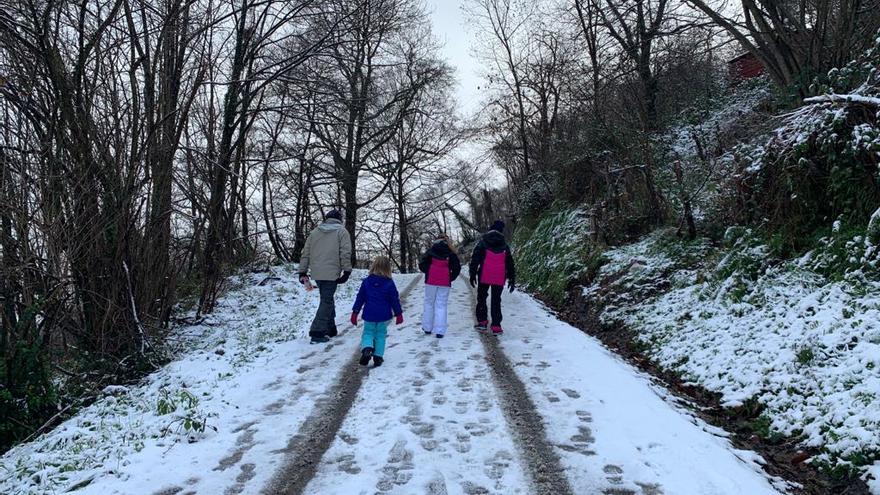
(333, 214)
(497, 225)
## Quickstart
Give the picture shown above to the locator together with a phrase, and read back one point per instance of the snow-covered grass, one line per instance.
(804, 347)
(187, 407)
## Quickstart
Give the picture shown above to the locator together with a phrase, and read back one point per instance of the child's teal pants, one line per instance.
(374, 336)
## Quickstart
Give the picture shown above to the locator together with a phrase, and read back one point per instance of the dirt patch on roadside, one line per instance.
(785, 458)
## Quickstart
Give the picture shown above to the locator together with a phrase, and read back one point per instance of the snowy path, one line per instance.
(613, 428)
(428, 421)
(436, 419)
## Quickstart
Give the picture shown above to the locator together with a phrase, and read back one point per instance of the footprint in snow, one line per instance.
(478, 429)
(614, 474)
(248, 471)
(243, 443)
(436, 486)
(463, 444)
(571, 393)
(275, 384)
(348, 438)
(422, 429)
(473, 489)
(413, 414)
(347, 464)
(584, 436)
(398, 469)
(274, 408)
(498, 464)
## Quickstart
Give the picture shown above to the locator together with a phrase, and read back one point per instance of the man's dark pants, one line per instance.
(482, 293)
(324, 323)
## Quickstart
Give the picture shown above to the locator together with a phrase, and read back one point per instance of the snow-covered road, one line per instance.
(542, 406)
(428, 421)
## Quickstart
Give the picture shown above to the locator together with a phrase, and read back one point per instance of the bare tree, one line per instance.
(504, 21)
(425, 135)
(258, 30)
(797, 40)
(359, 107)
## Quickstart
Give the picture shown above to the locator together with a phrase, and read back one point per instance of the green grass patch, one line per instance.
(554, 251)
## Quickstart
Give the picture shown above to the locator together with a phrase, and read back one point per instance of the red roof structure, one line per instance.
(745, 66)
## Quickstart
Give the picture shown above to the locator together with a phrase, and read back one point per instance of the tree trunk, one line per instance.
(349, 186)
(217, 244)
(404, 229)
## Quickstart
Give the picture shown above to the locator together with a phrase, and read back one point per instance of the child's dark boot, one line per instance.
(366, 354)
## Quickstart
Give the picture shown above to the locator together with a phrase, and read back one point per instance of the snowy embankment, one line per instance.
(243, 382)
(805, 348)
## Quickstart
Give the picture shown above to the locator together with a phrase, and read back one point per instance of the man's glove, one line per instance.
(473, 280)
(398, 320)
(511, 285)
(354, 319)
(344, 278)
(303, 278)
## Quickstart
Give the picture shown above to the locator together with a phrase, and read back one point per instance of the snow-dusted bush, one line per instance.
(821, 163)
(697, 157)
(848, 253)
(536, 195)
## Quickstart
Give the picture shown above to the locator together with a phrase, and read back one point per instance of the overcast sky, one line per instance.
(457, 39)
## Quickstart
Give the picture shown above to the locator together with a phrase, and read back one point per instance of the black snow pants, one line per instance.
(482, 311)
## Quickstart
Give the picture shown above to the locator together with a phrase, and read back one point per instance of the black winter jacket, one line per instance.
(495, 242)
(440, 250)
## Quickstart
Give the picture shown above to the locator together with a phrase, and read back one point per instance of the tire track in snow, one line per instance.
(540, 459)
(307, 447)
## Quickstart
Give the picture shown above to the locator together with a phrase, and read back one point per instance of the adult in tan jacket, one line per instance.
(327, 254)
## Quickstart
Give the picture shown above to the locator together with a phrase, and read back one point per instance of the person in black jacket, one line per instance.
(490, 267)
(441, 267)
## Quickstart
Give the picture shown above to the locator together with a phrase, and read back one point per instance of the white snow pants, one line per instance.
(434, 313)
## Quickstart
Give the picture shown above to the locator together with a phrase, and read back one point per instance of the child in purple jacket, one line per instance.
(380, 301)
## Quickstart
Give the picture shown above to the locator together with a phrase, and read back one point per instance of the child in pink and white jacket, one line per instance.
(491, 266)
(441, 266)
